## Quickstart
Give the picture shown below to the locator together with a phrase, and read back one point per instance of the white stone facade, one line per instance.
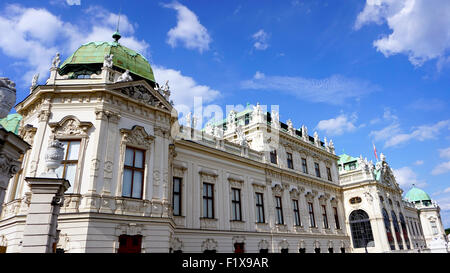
(263, 161)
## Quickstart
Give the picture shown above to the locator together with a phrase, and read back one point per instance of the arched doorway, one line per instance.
(361, 229)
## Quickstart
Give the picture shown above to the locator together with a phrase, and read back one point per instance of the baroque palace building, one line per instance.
(141, 182)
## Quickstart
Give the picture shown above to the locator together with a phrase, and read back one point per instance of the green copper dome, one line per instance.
(11, 123)
(417, 195)
(89, 57)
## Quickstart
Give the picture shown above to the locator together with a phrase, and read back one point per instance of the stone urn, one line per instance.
(54, 156)
(7, 96)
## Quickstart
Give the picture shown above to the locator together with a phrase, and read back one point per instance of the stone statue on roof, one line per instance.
(125, 77)
(305, 133)
(241, 136)
(194, 121)
(275, 119)
(290, 126)
(166, 90)
(218, 132)
(209, 128)
(316, 139)
(56, 61)
(108, 62)
(188, 119)
(34, 80)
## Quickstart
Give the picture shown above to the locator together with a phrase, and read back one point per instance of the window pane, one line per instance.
(59, 171)
(210, 194)
(139, 159)
(73, 151)
(210, 208)
(71, 170)
(127, 177)
(129, 153)
(137, 184)
(176, 204)
(176, 185)
(205, 208)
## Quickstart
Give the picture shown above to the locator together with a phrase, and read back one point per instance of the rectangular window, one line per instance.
(247, 119)
(290, 162)
(329, 174)
(316, 166)
(236, 204)
(259, 208)
(304, 165)
(68, 167)
(324, 216)
(176, 196)
(336, 218)
(208, 200)
(434, 227)
(312, 221)
(133, 173)
(279, 209)
(297, 220)
(273, 156)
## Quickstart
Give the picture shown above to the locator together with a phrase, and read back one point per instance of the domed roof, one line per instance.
(11, 123)
(417, 195)
(91, 55)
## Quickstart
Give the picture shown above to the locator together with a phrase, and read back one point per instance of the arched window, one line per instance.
(405, 232)
(387, 225)
(360, 228)
(397, 230)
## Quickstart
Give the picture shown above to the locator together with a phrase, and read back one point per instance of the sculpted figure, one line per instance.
(316, 139)
(56, 61)
(34, 80)
(188, 119)
(275, 119)
(108, 62)
(305, 133)
(125, 77)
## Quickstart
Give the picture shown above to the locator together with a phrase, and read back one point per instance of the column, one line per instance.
(40, 233)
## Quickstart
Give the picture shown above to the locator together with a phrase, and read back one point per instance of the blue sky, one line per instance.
(357, 72)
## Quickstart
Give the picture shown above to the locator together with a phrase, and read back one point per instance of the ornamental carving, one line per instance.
(284, 244)
(28, 132)
(8, 166)
(263, 244)
(176, 244)
(142, 94)
(70, 126)
(209, 244)
(277, 190)
(136, 136)
(129, 229)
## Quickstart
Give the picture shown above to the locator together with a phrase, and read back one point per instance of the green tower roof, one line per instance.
(11, 123)
(125, 58)
(417, 195)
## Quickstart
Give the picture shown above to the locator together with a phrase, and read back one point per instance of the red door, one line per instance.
(239, 248)
(130, 244)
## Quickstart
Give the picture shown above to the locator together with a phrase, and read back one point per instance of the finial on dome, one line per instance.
(116, 36)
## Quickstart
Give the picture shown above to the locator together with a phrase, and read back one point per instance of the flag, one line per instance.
(375, 151)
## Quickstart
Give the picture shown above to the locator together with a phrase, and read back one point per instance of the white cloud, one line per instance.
(441, 168)
(444, 153)
(421, 133)
(261, 40)
(405, 177)
(419, 162)
(188, 30)
(419, 27)
(184, 88)
(73, 2)
(333, 90)
(33, 36)
(338, 125)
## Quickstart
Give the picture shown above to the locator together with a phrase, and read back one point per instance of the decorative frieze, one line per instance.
(136, 136)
